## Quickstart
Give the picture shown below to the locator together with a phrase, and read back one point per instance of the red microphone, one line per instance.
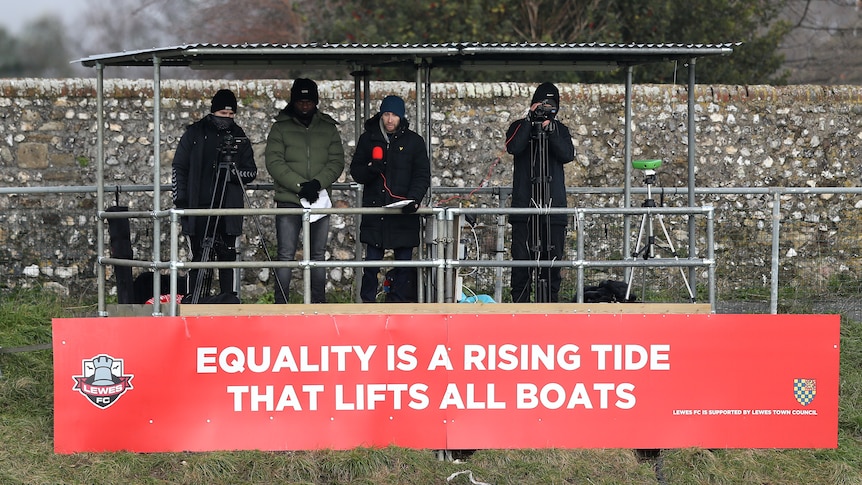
(377, 153)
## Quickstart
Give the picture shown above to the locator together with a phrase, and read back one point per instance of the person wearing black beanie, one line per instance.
(224, 100)
(540, 145)
(304, 89)
(203, 178)
(304, 156)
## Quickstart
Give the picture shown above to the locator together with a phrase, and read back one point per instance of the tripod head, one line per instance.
(648, 166)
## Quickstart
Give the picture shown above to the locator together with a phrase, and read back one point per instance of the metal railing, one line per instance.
(439, 264)
(775, 200)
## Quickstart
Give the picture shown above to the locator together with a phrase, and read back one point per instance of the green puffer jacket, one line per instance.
(296, 153)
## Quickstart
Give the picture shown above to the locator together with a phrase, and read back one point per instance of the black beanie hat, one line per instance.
(546, 91)
(223, 99)
(304, 89)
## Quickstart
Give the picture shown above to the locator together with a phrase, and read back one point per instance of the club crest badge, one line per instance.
(804, 390)
(103, 381)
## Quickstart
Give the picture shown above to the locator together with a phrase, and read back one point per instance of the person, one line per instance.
(537, 237)
(391, 161)
(213, 154)
(304, 156)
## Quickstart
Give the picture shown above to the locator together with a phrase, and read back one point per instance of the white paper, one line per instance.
(400, 203)
(323, 202)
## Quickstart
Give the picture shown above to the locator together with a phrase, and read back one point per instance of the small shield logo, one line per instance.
(103, 380)
(804, 390)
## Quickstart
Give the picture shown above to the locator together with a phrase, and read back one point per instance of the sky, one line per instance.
(16, 13)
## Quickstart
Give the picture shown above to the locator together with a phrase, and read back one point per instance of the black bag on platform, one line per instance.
(401, 285)
(143, 286)
(608, 291)
(121, 248)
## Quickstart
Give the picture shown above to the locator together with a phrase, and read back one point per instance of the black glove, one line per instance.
(410, 208)
(309, 190)
(376, 166)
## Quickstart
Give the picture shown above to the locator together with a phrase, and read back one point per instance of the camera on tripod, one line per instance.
(230, 146)
(546, 110)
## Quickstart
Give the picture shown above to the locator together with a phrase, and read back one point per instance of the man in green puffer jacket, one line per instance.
(304, 155)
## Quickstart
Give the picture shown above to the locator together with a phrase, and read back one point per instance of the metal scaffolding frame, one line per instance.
(358, 59)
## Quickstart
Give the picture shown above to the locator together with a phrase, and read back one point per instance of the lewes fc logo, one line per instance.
(804, 390)
(103, 381)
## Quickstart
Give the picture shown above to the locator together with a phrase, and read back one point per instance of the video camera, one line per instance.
(230, 146)
(544, 111)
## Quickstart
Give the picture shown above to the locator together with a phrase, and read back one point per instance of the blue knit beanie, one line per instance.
(394, 105)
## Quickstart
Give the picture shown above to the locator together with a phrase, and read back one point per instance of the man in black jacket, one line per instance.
(391, 161)
(540, 145)
(210, 150)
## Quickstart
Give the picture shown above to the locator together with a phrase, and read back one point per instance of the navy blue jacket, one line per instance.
(406, 175)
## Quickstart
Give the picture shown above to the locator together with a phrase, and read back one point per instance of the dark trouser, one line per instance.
(522, 277)
(288, 228)
(223, 249)
(370, 282)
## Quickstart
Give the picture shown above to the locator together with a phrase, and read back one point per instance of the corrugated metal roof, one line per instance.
(464, 55)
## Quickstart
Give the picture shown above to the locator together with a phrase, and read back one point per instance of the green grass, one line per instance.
(26, 453)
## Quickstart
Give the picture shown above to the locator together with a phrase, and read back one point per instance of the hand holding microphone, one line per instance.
(376, 163)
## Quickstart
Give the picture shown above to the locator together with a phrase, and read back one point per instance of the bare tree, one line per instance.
(824, 45)
(124, 25)
(251, 21)
(567, 21)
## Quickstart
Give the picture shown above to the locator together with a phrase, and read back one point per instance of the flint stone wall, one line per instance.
(748, 136)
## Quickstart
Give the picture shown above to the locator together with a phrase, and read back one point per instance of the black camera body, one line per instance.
(230, 146)
(546, 110)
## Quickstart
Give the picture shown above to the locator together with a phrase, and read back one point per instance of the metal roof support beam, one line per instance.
(692, 148)
(157, 186)
(627, 169)
(100, 184)
(358, 77)
(361, 112)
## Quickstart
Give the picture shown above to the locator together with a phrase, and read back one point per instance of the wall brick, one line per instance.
(747, 136)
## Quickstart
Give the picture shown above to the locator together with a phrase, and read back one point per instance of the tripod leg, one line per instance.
(541, 224)
(638, 252)
(649, 248)
(199, 280)
(261, 239)
(676, 257)
(203, 280)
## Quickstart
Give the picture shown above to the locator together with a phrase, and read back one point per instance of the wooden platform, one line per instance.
(414, 308)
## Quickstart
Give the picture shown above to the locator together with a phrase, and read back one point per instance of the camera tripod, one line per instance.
(647, 236)
(225, 173)
(541, 244)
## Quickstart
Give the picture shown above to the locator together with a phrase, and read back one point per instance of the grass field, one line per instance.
(26, 452)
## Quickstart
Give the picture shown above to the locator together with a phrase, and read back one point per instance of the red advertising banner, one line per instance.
(446, 381)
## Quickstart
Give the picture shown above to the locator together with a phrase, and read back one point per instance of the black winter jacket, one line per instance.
(406, 175)
(195, 167)
(524, 148)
